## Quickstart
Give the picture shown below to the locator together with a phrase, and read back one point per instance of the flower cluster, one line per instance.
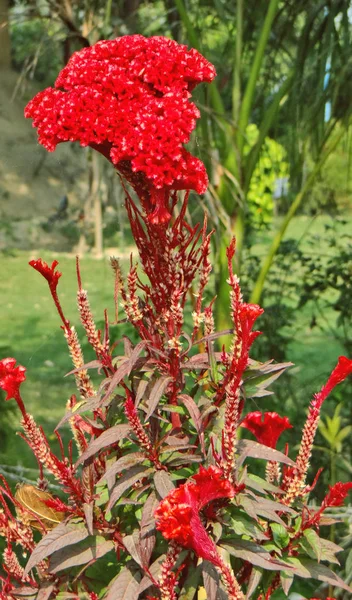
(129, 99)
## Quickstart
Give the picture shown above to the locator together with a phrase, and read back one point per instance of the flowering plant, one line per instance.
(159, 498)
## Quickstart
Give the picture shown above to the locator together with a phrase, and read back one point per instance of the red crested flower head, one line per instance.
(342, 370)
(178, 515)
(11, 377)
(48, 273)
(266, 427)
(337, 494)
(129, 99)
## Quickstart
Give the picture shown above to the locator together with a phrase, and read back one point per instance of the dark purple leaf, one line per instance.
(65, 534)
(125, 368)
(168, 449)
(124, 587)
(123, 463)
(196, 417)
(126, 482)
(132, 545)
(174, 440)
(141, 390)
(286, 580)
(24, 592)
(213, 336)
(256, 387)
(122, 371)
(247, 448)
(252, 553)
(147, 520)
(211, 580)
(155, 571)
(45, 590)
(88, 551)
(183, 459)
(87, 406)
(156, 394)
(93, 364)
(147, 536)
(254, 579)
(163, 483)
(88, 513)
(323, 573)
(109, 437)
(260, 485)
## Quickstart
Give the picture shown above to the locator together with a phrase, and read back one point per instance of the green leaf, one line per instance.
(253, 553)
(241, 525)
(191, 585)
(314, 541)
(280, 535)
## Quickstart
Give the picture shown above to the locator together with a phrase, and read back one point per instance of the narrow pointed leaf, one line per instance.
(163, 483)
(124, 587)
(123, 463)
(126, 482)
(109, 437)
(65, 534)
(156, 394)
(90, 550)
(254, 450)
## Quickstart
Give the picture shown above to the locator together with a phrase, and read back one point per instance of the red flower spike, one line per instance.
(11, 377)
(178, 518)
(337, 494)
(128, 98)
(48, 273)
(266, 427)
(339, 374)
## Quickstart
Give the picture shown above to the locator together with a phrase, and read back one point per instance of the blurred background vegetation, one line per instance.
(274, 135)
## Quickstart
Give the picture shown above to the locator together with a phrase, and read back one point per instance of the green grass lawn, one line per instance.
(30, 331)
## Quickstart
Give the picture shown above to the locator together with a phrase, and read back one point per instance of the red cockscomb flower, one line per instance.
(178, 518)
(128, 98)
(337, 494)
(339, 374)
(48, 273)
(11, 377)
(266, 427)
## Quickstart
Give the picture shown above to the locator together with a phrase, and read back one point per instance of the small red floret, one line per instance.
(342, 370)
(48, 273)
(266, 427)
(337, 494)
(11, 377)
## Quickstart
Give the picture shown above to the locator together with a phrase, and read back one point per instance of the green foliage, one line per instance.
(271, 166)
(36, 48)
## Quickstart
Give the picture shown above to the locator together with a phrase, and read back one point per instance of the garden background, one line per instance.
(274, 135)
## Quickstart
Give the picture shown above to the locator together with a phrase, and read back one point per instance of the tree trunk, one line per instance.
(5, 46)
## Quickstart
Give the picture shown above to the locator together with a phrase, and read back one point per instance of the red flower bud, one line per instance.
(48, 273)
(337, 494)
(11, 377)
